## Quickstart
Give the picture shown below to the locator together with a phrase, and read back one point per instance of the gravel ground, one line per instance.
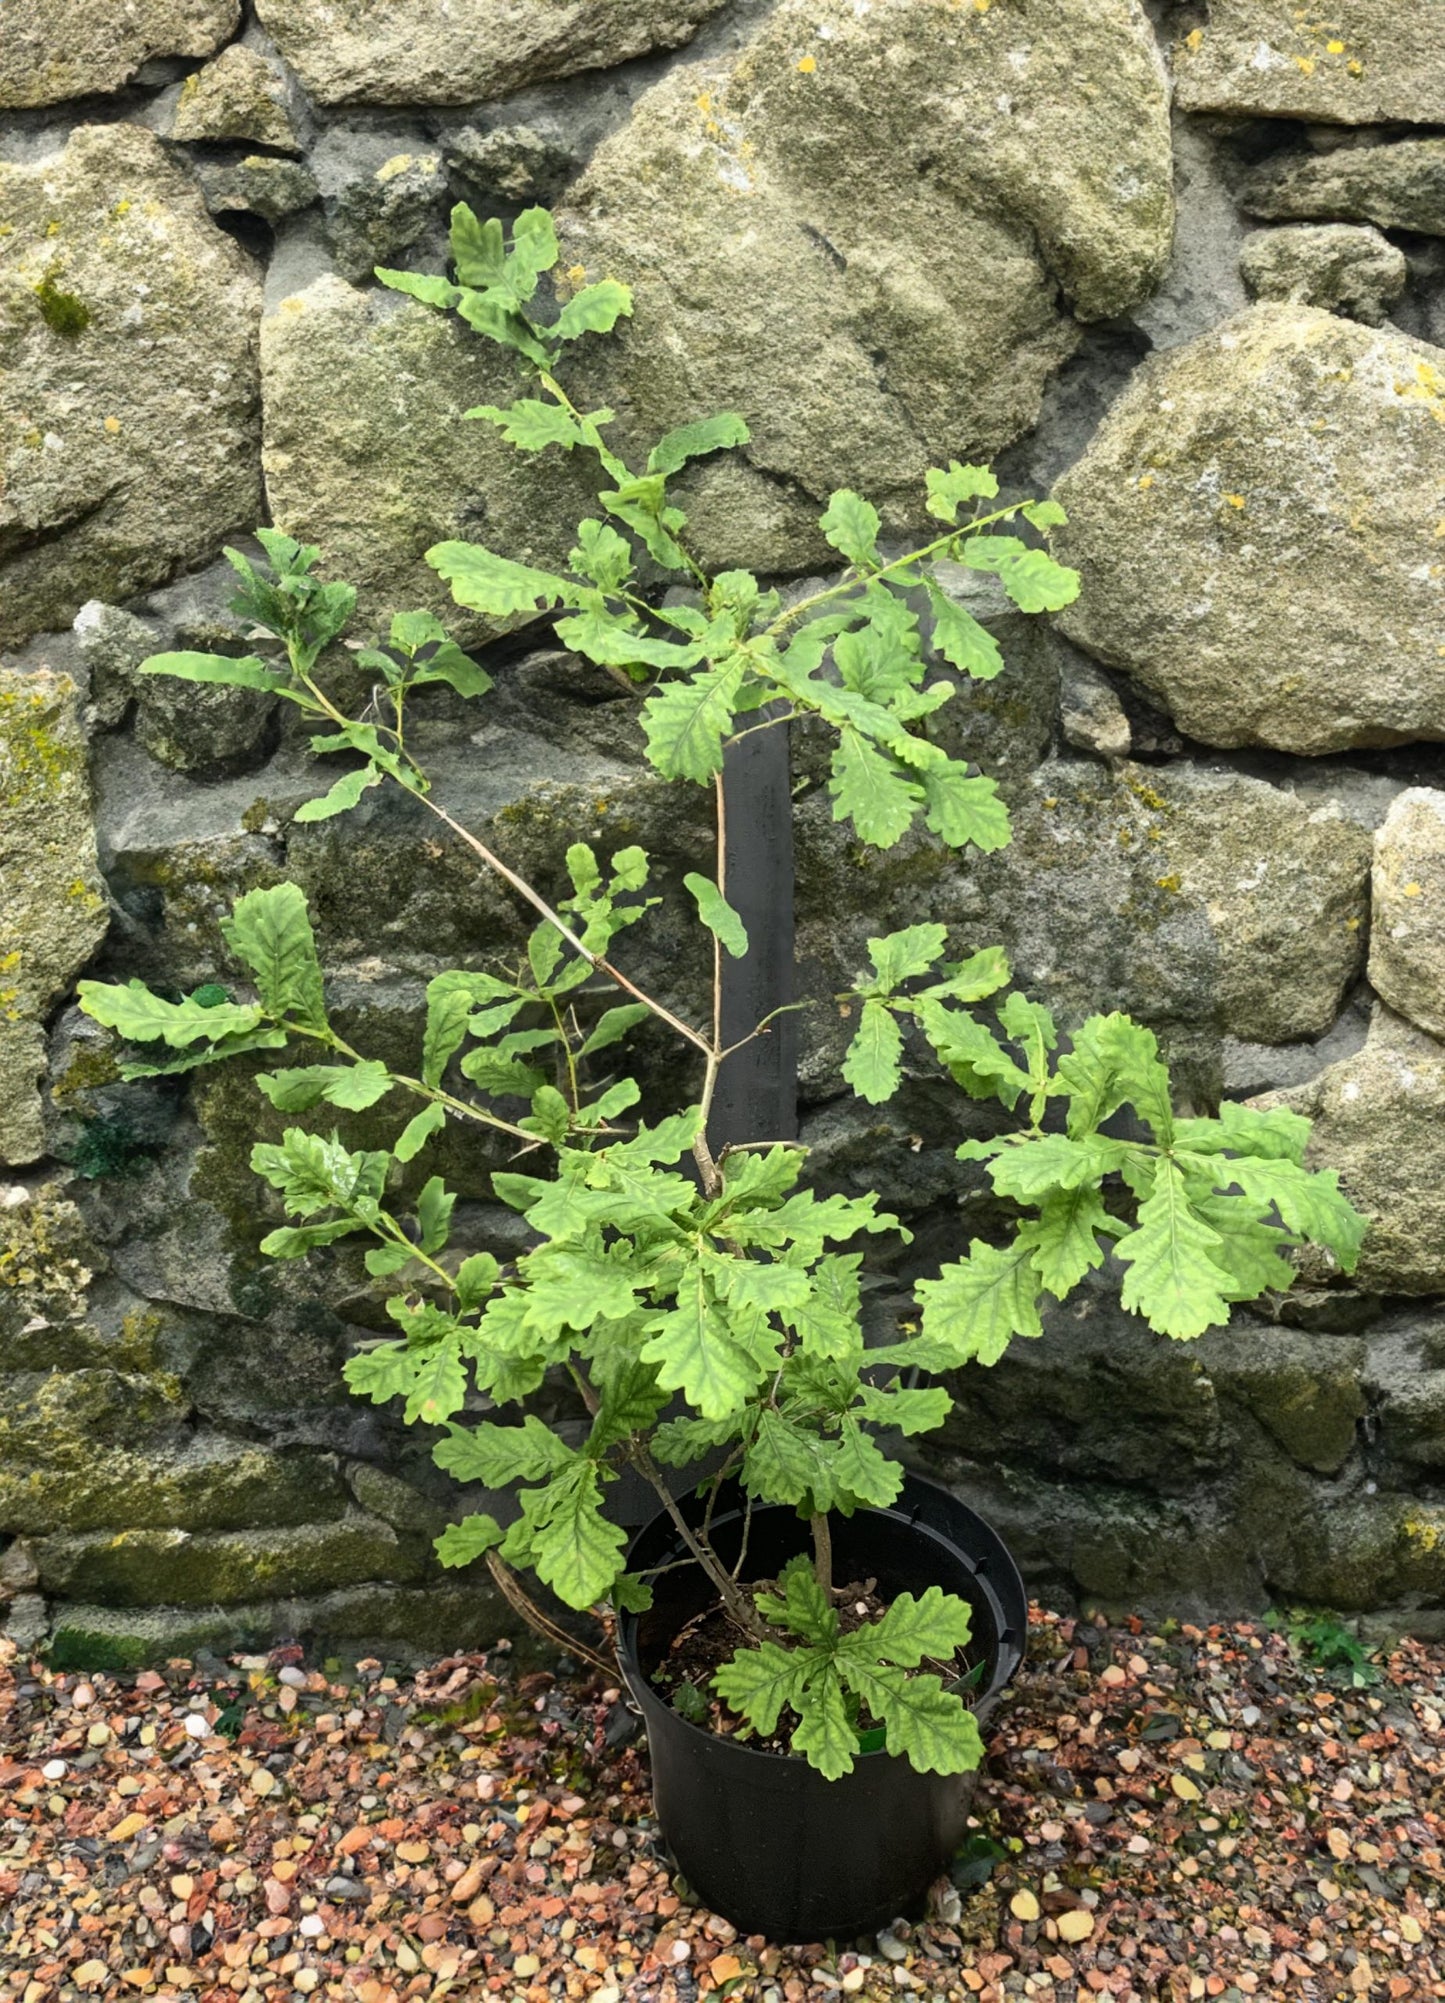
(1195, 1813)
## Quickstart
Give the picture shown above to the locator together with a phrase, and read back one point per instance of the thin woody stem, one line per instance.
(596, 961)
(702, 1151)
(330, 1041)
(516, 1596)
(739, 1607)
(787, 1008)
(520, 884)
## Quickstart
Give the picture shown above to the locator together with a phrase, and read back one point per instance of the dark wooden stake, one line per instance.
(757, 1089)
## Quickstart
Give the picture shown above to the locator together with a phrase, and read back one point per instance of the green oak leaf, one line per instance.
(851, 525)
(1173, 1280)
(142, 1017)
(717, 914)
(874, 1062)
(976, 1306)
(760, 1683)
(463, 1543)
(271, 931)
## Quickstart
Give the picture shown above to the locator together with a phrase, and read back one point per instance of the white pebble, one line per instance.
(197, 1727)
(295, 1677)
(54, 1770)
(312, 1925)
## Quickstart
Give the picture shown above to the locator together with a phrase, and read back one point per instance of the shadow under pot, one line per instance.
(761, 1837)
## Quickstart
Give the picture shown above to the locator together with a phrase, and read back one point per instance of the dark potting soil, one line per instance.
(684, 1675)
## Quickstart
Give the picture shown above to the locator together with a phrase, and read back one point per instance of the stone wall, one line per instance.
(1189, 265)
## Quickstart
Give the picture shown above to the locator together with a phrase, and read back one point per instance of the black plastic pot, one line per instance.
(761, 1837)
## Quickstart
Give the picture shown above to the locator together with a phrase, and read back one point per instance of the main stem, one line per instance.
(823, 1551)
(740, 1608)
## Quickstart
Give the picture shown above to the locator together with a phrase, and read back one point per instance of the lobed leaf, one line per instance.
(965, 811)
(685, 722)
(694, 441)
(142, 1017)
(937, 1624)
(874, 1062)
(948, 490)
(717, 914)
(596, 309)
(353, 1087)
(825, 1735)
(1066, 1242)
(463, 1543)
(500, 1455)
(271, 931)
(418, 1131)
(869, 789)
(1173, 1280)
(573, 1548)
(531, 424)
(862, 1472)
(695, 1351)
(486, 582)
(851, 525)
(760, 1683)
(903, 956)
(976, 1306)
(341, 796)
(245, 673)
(961, 640)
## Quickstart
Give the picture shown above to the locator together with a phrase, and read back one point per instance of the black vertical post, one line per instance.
(757, 1088)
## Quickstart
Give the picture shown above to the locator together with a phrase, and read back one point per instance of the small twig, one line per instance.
(787, 1008)
(747, 1530)
(788, 716)
(510, 1587)
(738, 1608)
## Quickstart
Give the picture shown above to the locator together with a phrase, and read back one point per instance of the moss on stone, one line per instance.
(89, 1067)
(206, 1483)
(61, 311)
(62, 1422)
(45, 1259)
(401, 1623)
(225, 1568)
(1305, 1391)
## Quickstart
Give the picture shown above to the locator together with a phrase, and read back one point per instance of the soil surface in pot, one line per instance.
(684, 1675)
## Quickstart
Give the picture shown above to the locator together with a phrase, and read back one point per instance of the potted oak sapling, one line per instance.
(813, 1634)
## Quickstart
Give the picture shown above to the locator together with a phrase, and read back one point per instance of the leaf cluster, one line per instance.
(829, 1680)
(1213, 1206)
